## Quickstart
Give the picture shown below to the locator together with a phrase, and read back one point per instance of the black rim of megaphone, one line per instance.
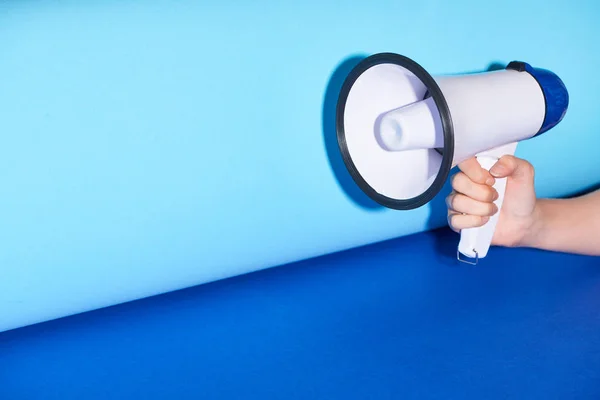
(434, 91)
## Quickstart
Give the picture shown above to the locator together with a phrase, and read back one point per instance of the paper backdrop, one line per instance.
(148, 146)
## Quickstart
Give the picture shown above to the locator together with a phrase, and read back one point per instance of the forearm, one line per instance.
(567, 225)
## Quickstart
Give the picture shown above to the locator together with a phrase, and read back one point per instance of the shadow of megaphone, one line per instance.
(345, 181)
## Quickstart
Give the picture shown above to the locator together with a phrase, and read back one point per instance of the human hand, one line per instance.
(471, 202)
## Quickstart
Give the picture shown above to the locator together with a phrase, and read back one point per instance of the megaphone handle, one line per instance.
(475, 242)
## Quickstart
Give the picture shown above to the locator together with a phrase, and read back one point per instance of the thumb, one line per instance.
(517, 169)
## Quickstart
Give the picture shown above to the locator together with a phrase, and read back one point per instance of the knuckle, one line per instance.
(509, 161)
(472, 169)
(486, 194)
(456, 178)
(476, 175)
(452, 221)
(528, 168)
(463, 184)
(458, 222)
(455, 201)
(449, 204)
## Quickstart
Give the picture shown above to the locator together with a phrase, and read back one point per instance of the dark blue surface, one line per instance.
(395, 320)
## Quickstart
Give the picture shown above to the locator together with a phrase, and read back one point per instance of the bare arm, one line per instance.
(567, 225)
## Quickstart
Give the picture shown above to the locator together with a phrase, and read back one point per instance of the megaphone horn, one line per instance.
(400, 130)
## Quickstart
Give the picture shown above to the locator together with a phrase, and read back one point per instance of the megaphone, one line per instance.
(400, 130)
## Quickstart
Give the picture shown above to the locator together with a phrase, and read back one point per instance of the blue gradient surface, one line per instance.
(394, 320)
(150, 146)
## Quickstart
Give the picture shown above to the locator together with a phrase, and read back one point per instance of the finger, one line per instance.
(451, 215)
(458, 222)
(462, 184)
(476, 172)
(516, 168)
(464, 204)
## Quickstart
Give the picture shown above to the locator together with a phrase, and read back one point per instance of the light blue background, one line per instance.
(153, 145)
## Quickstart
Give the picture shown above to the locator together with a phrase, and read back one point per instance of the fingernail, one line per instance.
(497, 170)
(496, 196)
(485, 219)
(490, 181)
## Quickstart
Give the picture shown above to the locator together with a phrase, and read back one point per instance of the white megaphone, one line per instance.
(401, 131)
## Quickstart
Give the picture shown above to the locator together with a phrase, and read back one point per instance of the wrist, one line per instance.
(532, 235)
